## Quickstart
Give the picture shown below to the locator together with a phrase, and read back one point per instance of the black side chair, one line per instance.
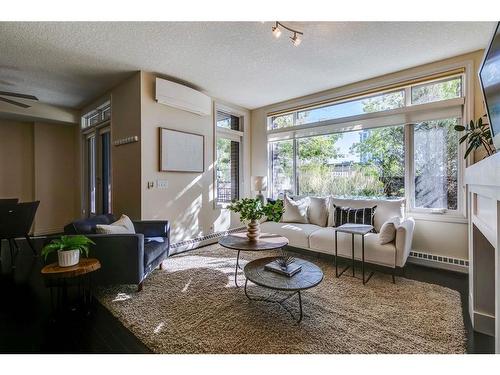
(125, 258)
(15, 222)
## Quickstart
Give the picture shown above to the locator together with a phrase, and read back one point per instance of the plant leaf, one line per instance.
(469, 149)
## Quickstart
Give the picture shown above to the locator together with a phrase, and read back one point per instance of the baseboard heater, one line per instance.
(439, 261)
(193, 243)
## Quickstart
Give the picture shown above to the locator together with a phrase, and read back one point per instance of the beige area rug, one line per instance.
(192, 306)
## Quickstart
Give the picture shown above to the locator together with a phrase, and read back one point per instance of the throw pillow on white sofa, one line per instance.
(295, 211)
(318, 211)
(122, 226)
(388, 230)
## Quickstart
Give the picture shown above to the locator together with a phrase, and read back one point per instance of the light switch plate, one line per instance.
(161, 184)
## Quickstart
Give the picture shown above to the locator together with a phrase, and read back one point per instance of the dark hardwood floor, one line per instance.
(26, 324)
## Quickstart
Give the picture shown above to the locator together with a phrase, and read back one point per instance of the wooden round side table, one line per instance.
(59, 276)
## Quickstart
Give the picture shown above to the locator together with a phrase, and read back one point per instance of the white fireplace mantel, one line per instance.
(483, 186)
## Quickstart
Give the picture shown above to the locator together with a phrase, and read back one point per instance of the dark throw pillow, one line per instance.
(345, 215)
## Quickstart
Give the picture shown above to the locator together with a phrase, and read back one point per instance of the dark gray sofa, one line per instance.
(125, 258)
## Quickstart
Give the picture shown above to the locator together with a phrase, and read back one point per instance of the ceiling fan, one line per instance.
(16, 95)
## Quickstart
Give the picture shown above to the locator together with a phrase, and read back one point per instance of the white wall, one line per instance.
(188, 201)
(431, 236)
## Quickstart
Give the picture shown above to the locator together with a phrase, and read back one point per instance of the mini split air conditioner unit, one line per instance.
(182, 97)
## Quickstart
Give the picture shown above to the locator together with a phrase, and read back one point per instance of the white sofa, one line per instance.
(321, 239)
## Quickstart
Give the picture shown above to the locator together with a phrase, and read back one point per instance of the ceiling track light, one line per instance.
(296, 38)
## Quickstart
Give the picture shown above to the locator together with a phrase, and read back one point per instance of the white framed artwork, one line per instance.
(181, 151)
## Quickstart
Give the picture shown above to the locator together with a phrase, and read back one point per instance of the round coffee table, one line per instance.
(309, 276)
(240, 242)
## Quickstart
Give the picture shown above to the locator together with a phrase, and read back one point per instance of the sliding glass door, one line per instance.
(98, 172)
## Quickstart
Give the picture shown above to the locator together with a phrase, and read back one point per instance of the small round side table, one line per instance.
(240, 242)
(60, 275)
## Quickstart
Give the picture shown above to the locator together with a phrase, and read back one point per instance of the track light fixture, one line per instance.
(276, 31)
(296, 39)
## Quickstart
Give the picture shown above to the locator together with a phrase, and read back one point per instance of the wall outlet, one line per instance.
(151, 184)
(161, 184)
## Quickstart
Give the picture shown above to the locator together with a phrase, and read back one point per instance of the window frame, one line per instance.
(369, 120)
(87, 130)
(410, 180)
(232, 135)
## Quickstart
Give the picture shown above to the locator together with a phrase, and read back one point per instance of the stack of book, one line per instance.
(289, 270)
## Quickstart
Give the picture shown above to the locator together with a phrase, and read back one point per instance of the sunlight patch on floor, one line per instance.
(184, 290)
(121, 297)
(223, 265)
(159, 327)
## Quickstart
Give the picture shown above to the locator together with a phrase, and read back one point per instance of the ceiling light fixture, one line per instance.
(296, 39)
(276, 31)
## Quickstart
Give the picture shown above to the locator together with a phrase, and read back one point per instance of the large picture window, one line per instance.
(413, 154)
(367, 163)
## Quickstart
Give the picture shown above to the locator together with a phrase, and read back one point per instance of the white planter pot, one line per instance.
(68, 258)
(253, 230)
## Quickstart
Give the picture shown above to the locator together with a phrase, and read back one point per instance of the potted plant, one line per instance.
(251, 210)
(476, 134)
(68, 249)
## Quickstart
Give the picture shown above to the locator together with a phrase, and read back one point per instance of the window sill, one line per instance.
(443, 218)
(222, 206)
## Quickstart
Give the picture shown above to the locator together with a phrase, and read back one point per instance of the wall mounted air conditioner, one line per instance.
(182, 97)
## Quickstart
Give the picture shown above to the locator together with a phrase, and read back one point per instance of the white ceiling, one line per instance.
(69, 64)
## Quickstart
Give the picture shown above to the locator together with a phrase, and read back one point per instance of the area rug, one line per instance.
(193, 306)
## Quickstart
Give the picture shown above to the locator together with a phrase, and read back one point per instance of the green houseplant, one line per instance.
(68, 249)
(251, 210)
(477, 134)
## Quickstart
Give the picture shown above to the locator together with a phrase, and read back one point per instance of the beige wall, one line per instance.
(55, 152)
(126, 159)
(16, 160)
(39, 161)
(436, 237)
(188, 200)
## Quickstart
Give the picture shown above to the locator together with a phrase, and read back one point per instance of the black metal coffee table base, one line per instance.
(309, 276)
(280, 302)
(240, 242)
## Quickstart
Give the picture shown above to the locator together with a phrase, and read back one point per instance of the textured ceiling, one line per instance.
(69, 64)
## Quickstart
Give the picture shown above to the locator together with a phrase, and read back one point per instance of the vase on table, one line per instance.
(253, 230)
(68, 258)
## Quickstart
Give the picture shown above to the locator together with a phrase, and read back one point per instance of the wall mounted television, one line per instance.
(489, 75)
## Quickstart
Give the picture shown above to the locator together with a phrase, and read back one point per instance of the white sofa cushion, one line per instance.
(323, 240)
(297, 234)
(122, 226)
(318, 211)
(388, 231)
(385, 208)
(295, 211)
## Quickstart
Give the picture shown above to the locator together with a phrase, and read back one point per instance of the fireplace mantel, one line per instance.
(483, 186)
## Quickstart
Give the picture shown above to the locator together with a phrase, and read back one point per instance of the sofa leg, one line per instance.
(394, 275)
(140, 286)
(161, 266)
